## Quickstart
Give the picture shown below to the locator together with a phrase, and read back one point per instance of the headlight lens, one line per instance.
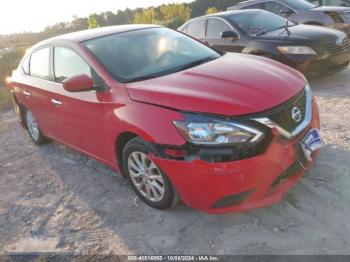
(203, 130)
(297, 50)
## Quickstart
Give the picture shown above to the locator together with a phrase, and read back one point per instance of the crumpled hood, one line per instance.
(235, 84)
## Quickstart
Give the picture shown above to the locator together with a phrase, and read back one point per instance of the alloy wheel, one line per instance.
(32, 125)
(146, 176)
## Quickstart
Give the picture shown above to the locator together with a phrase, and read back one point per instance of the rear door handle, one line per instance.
(56, 102)
(27, 94)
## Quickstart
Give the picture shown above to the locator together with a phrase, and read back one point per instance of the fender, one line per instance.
(143, 120)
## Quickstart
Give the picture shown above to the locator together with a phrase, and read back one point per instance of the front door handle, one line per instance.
(27, 94)
(56, 102)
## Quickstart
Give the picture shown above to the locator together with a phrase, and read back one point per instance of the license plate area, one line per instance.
(311, 142)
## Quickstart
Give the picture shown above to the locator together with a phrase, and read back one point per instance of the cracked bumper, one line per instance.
(251, 183)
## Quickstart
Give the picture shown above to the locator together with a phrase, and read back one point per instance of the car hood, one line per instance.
(235, 84)
(308, 33)
(340, 9)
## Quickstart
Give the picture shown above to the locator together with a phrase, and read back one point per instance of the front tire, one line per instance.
(147, 180)
(33, 129)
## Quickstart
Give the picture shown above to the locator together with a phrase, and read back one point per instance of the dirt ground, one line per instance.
(53, 199)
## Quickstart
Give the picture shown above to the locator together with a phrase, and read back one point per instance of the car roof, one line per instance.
(230, 12)
(84, 35)
(247, 2)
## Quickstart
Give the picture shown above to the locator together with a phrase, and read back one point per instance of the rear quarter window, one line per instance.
(195, 28)
(25, 65)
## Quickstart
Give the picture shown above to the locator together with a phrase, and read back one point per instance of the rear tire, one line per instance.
(33, 129)
(148, 181)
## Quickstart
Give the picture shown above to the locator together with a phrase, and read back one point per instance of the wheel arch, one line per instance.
(19, 109)
(119, 145)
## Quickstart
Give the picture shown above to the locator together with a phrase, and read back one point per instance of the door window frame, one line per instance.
(96, 88)
(285, 5)
(223, 20)
(29, 56)
(204, 25)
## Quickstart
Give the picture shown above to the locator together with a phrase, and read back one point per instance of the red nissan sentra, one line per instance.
(222, 132)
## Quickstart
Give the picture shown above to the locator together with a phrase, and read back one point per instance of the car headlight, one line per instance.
(296, 50)
(204, 130)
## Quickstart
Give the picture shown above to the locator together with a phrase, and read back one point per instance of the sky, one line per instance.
(35, 15)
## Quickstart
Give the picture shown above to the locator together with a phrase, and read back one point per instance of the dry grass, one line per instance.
(5, 99)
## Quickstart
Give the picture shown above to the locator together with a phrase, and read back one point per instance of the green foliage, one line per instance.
(146, 16)
(199, 7)
(211, 10)
(171, 15)
(5, 99)
(9, 60)
(92, 22)
(180, 12)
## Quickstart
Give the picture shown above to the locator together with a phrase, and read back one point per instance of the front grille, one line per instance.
(283, 115)
(334, 47)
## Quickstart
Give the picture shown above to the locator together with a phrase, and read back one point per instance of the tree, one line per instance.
(92, 23)
(212, 10)
(9, 60)
(146, 16)
(180, 12)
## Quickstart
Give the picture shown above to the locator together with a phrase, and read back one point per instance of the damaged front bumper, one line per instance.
(243, 184)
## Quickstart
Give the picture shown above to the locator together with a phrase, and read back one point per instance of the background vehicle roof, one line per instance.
(231, 12)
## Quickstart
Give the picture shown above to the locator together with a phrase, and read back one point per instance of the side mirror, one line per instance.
(229, 34)
(285, 12)
(78, 83)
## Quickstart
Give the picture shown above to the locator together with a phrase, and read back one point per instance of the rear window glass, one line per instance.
(39, 63)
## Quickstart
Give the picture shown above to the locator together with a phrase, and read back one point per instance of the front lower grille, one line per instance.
(283, 116)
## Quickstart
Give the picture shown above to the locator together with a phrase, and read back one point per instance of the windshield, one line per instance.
(299, 4)
(258, 22)
(148, 53)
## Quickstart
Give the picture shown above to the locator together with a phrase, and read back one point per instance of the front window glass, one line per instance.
(195, 28)
(337, 3)
(67, 63)
(215, 27)
(299, 4)
(258, 22)
(148, 53)
(275, 8)
(255, 6)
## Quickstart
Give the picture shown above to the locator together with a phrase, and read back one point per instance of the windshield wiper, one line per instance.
(142, 78)
(196, 63)
(262, 32)
(159, 74)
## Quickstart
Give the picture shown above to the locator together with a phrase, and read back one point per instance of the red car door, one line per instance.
(34, 93)
(78, 115)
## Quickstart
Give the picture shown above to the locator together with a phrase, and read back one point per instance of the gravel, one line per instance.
(55, 199)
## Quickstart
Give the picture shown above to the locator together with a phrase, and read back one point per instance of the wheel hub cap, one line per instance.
(146, 176)
(32, 125)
